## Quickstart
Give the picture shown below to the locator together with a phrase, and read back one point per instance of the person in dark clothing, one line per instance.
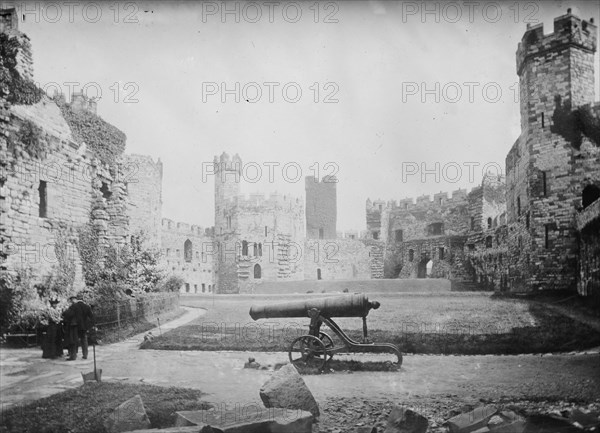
(53, 342)
(79, 319)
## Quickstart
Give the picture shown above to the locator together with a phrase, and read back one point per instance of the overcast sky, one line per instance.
(371, 60)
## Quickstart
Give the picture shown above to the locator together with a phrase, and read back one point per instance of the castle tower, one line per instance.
(227, 189)
(546, 171)
(321, 207)
(9, 25)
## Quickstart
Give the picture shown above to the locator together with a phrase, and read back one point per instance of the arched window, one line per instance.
(257, 271)
(187, 250)
(590, 194)
(260, 249)
(255, 249)
(244, 248)
(489, 222)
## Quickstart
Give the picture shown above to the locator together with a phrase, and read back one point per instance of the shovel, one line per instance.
(96, 375)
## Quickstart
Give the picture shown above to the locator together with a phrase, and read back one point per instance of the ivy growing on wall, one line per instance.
(19, 90)
(103, 139)
(573, 125)
(28, 140)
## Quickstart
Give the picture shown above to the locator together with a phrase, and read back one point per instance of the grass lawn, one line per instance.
(84, 409)
(442, 323)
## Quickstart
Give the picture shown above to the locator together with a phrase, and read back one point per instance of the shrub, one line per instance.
(172, 283)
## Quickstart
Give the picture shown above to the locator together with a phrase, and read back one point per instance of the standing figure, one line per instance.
(79, 319)
(53, 342)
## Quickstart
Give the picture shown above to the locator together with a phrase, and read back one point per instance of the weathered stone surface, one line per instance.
(366, 430)
(286, 389)
(252, 420)
(403, 420)
(585, 420)
(189, 429)
(129, 415)
(471, 421)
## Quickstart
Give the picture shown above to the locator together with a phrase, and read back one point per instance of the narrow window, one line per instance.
(168, 252)
(229, 222)
(43, 192)
(265, 230)
(255, 249)
(441, 253)
(244, 248)
(543, 121)
(260, 249)
(547, 236)
(195, 288)
(203, 287)
(527, 220)
(544, 184)
(187, 250)
(489, 242)
(519, 206)
(411, 255)
(399, 235)
(318, 274)
(375, 235)
(321, 233)
(187, 287)
(257, 271)
(489, 223)
(105, 191)
(472, 223)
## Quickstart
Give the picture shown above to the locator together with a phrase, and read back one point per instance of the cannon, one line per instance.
(316, 348)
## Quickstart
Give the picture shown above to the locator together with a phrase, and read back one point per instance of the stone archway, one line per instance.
(424, 267)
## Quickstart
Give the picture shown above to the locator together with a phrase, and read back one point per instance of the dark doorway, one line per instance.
(590, 194)
(423, 268)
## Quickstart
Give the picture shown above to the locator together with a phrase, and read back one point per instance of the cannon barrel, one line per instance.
(357, 305)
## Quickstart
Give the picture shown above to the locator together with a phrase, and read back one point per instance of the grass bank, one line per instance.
(83, 410)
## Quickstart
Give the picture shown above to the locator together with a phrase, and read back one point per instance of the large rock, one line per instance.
(274, 420)
(129, 415)
(471, 421)
(286, 389)
(402, 420)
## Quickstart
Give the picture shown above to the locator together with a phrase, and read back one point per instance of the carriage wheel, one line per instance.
(326, 339)
(308, 351)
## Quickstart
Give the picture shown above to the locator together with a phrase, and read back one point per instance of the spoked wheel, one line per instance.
(308, 351)
(326, 339)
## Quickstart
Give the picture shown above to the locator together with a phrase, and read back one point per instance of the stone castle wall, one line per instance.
(321, 207)
(187, 251)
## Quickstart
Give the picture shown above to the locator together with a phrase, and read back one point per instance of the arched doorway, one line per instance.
(422, 268)
(319, 274)
(257, 271)
(589, 195)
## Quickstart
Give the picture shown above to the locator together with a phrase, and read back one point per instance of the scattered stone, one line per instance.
(286, 389)
(268, 420)
(585, 420)
(495, 420)
(129, 415)
(402, 420)
(366, 429)
(471, 421)
(252, 363)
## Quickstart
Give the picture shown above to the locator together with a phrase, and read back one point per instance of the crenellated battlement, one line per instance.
(274, 201)
(184, 228)
(569, 30)
(226, 163)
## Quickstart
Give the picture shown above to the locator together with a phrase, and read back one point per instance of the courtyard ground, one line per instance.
(436, 385)
(420, 323)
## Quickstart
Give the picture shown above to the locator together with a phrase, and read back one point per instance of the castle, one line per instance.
(538, 229)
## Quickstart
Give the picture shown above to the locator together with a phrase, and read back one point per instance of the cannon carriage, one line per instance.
(316, 348)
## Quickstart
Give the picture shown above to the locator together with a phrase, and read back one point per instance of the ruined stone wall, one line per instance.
(78, 189)
(187, 252)
(143, 180)
(588, 225)
(337, 259)
(321, 207)
(547, 169)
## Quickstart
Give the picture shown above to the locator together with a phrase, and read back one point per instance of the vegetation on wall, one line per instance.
(19, 90)
(573, 125)
(105, 140)
(113, 270)
(28, 140)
